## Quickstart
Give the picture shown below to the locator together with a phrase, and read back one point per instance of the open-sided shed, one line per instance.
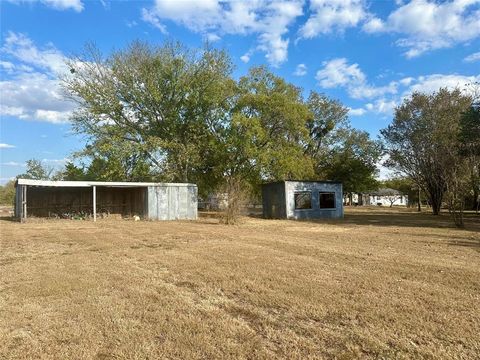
(302, 200)
(153, 201)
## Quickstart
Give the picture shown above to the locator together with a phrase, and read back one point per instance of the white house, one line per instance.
(381, 197)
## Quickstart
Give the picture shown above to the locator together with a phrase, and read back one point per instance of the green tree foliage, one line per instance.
(168, 113)
(162, 102)
(328, 117)
(469, 138)
(37, 171)
(71, 172)
(7, 193)
(422, 140)
(352, 159)
(269, 119)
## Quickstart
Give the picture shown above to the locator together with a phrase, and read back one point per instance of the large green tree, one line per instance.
(163, 102)
(422, 141)
(168, 113)
(37, 170)
(469, 139)
(352, 159)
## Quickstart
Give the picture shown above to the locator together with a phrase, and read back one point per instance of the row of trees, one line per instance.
(168, 113)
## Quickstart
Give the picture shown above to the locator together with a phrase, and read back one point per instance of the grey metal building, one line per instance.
(302, 200)
(152, 201)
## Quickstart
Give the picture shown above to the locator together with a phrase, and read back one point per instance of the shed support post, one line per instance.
(24, 203)
(94, 203)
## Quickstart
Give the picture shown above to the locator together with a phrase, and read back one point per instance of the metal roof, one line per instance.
(50, 183)
(385, 192)
(305, 181)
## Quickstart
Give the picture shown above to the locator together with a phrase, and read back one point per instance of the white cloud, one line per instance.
(32, 90)
(406, 81)
(56, 161)
(434, 82)
(356, 112)
(473, 57)
(22, 48)
(382, 106)
(301, 70)
(339, 73)
(6, 146)
(385, 105)
(148, 17)
(374, 25)
(332, 15)
(428, 25)
(268, 20)
(13, 163)
(245, 58)
(211, 37)
(75, 5)
(6, 65)
(34, 96)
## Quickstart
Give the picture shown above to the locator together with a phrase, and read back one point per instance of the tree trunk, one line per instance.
(419, 201)
(475, 199)
(436, 197)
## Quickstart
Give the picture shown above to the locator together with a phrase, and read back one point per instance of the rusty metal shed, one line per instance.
(152, 201)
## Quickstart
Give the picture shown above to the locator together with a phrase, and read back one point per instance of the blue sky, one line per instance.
(368, 54)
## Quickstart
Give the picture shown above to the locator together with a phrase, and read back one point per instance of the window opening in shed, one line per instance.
(327, 200)
(303, 200)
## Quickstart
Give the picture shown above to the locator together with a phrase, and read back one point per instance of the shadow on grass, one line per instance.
(410, 219)
(398, 218)
(466, 243)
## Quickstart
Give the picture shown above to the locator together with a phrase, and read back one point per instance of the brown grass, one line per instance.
(379, 284)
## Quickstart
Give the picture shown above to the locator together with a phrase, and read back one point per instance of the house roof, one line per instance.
(50, 183)
(305, 181)
(385, 192)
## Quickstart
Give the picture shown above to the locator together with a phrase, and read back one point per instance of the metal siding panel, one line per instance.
(192, 203)
(182, 203)
(172, 202)
(152, 213)
(162, 202)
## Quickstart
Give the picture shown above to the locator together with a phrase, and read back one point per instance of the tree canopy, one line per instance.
(422, 141)
(175, 114)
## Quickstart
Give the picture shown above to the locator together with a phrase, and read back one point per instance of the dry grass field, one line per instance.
(383, 284)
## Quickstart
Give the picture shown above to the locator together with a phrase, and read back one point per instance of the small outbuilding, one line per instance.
(302, 200)
(152, 201)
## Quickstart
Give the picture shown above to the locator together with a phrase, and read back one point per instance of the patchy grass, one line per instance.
(383, 283)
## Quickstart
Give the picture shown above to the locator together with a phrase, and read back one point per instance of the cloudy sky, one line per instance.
(368, 54)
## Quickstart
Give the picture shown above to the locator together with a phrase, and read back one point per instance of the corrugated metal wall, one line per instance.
(172, 202)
